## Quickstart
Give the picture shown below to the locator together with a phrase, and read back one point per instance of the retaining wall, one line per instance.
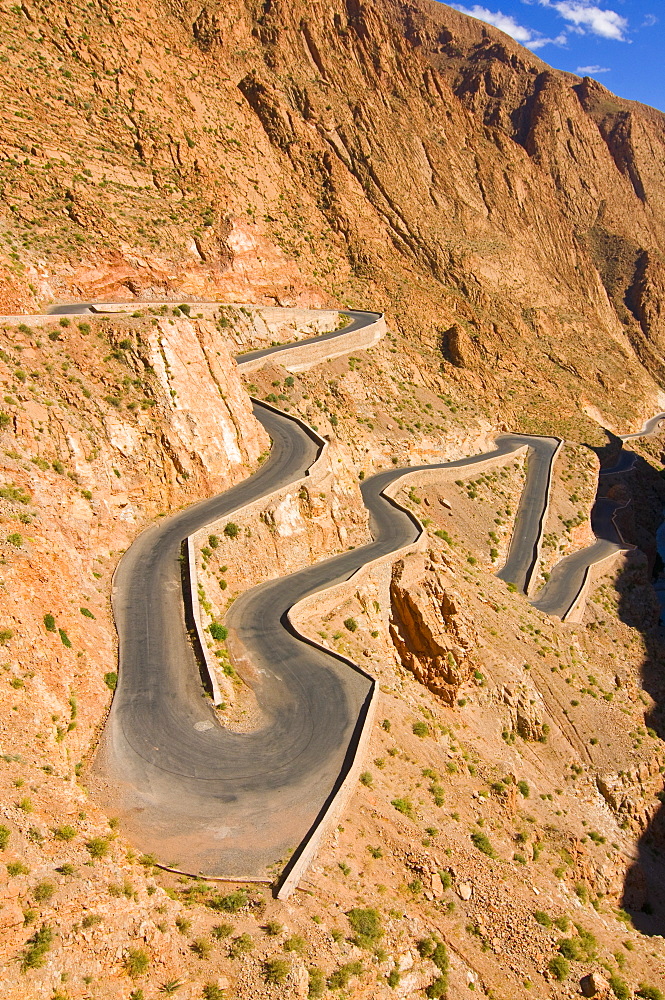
(298, 357)
(193, 612)
(593, 573)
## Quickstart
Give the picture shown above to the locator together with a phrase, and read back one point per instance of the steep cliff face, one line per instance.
(392, 154)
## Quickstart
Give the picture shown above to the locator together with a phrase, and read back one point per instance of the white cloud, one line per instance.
(505, 22)
(592, 70)
(502, 21)
(585, 16)
(649, 21)
(539, 42)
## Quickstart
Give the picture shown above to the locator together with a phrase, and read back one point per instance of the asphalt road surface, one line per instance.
(358, 321)
(204, 798)
(560, 592)
(524, 549)
(199, 796)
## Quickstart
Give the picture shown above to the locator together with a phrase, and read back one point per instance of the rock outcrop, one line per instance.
(433, 636)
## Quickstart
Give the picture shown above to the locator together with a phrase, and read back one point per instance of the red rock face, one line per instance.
(431, 633)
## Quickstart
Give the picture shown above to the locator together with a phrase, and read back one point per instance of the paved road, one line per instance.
(358, 321)
(193, 793)
(560, 592)
(205, 798)
(652, 426)
(524, 552)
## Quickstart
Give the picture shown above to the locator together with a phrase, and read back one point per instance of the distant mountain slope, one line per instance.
(393, 154)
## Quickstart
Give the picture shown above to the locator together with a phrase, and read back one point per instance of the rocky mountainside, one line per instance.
(506, 836)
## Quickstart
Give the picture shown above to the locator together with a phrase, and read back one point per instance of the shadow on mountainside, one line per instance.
(644, 884)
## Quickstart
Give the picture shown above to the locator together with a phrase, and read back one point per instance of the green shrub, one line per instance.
(650, 992)
(221, 931)
(317, 982)
(437, 989)
(420, 729)
(136, 962)
(366, 779)
(34, 953)
(49, 622)
(4, 837)
(619, 988)
(43, 891)
(542, 918)
(483, 844)
(5, 635)
(342, 976)
(581, 948)
(15, 539)
(275, 971)
(559, 967)
(366, 924)
(523, 789)
(64, 638)
(111, 680)
(218, 632)
(232, 903)
(15, 868)
(404, 806)
(213, 541)
(351, 624)
(295, 943)
(201, 947)
(15, 494)
(86, 613)
(231, 530)
(97, 847)
(212, 992)
(240, 945)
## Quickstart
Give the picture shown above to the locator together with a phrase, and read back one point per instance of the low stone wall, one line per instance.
(592, 575)
(192, 605)
(298, 357)
(336, 806)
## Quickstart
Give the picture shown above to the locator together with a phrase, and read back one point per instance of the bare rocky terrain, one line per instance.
(506, 835)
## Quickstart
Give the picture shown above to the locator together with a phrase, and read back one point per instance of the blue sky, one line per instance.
(619, 42)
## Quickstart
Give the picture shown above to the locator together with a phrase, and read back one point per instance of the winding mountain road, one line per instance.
(567, 579)
(209, 800)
